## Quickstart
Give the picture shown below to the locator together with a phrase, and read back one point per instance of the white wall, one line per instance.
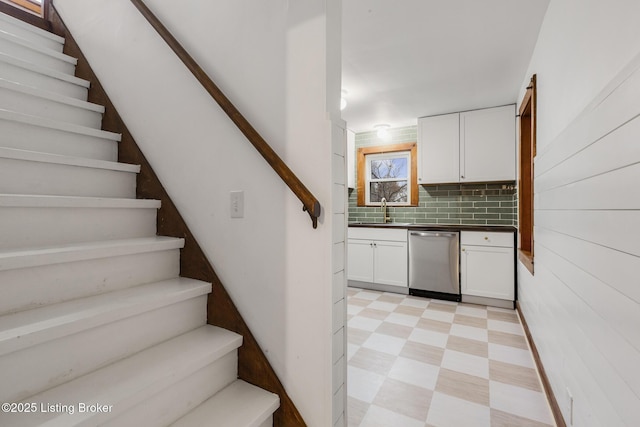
(583, 303)
(272, 60)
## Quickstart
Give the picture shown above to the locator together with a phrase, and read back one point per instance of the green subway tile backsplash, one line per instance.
(458, 204)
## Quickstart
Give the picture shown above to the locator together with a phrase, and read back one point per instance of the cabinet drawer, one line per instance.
(487, 238)
(398, 235)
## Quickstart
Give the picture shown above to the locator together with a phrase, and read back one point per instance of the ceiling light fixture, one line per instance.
(383, 130)
(343, 100)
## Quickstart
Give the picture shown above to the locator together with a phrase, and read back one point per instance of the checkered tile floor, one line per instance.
(420, 362)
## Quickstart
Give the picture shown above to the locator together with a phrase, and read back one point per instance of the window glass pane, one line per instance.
(382, 168)
(392, 191)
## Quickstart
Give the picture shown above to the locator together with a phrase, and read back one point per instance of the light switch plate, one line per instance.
(237, 204)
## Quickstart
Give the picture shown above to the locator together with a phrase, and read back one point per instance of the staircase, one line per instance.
(96, 326)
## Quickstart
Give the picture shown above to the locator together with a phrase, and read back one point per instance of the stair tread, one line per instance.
(50, 96)
(85, 251)
(31, 28)
(57, 124)
(36, 47)
(130, 381)
(238, 405)
(44, 70)
(35, 326)
(29, 200)
(36, 156)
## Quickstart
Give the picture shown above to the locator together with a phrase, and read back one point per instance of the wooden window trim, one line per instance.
(29, 5)
(527, 153)
(381, 149)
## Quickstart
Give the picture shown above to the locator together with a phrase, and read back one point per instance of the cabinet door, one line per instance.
(360, 260)
(487, 272)
(488, 145)
(390, 263)
(439, 149)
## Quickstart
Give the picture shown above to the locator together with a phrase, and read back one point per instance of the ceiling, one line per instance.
(404, 59)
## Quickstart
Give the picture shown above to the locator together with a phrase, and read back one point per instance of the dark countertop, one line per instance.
(437, 227)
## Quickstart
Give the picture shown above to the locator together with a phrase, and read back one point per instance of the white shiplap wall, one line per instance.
(584, 301)
(339, 287)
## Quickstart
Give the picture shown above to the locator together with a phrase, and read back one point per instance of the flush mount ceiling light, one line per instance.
(383, 130)
(343, 100)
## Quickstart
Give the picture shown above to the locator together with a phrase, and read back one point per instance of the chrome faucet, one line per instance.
(385, 216)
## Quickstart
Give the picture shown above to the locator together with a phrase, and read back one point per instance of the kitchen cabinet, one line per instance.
(488, 144)
(377, 256)
(471, 146)
(439, 149)
(487, 265)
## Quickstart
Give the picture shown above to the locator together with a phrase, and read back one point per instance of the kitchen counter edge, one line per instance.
(440, 227)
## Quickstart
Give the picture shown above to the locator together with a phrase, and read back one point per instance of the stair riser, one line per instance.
(46, 140)
(30, 177)
(36, 106)
(26, 288)
(32, 78)
(178, 399)
(8, 47)
(31, 36)
(24, 227)
(61, 360)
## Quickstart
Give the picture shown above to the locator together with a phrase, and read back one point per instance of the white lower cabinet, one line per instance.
(487, 265)
(377, 256)
(390, 263)
(360, 260)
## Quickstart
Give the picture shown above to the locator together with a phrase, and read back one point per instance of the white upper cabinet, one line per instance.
(488, 144)
(439, 149)
(472, 146)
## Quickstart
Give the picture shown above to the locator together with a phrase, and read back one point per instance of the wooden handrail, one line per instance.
(309, 202)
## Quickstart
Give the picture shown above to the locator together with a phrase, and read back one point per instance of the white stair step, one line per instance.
(33, 278)
(34, 133)
(32, 327)
(30, 172)
(31, 33)
(20, 71)
(29, 221)
(181, 397)
(29, 100)
(238, 405)
(34, 53)
(60, 342)
(156, 376)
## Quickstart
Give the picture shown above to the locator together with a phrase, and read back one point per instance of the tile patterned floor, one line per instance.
(429, 363)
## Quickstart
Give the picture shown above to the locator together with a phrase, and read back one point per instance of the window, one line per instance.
(388, 172)
(31, 5)
(525, 175)
(389, 177)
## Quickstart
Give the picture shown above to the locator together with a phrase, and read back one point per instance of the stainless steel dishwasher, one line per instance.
(434, 264)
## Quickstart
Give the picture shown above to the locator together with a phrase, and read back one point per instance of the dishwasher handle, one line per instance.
(432, 234)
